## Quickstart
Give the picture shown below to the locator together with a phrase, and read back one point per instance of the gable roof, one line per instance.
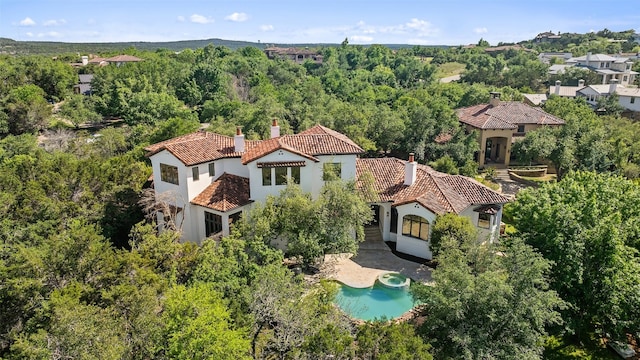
(436, 191)
(199, 147)
(123, 58)
(228, 192)
(506, 115)
(202, 146)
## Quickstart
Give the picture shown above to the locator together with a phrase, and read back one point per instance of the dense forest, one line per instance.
(85, 274)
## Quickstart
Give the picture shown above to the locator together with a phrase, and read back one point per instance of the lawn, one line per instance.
(557, 348)
(450, 69)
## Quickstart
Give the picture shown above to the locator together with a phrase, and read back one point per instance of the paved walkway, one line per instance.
(509, 187)
(373, 259)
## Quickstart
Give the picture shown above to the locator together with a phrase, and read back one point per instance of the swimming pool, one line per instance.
(374, 302)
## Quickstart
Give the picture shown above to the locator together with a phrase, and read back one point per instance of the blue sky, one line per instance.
(419, 22)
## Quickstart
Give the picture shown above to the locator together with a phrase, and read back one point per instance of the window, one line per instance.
(196, 173)
(212, 169)
(633, 100)
(331, 171)
(520, 128)
(295, 175)
(212, 223)
(266, 176)
(415, 226)
(169, 173)
(484, 220)
(624, 78)
(281, 176)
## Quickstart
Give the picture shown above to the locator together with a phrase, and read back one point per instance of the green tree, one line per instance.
(79, 109)
(485, 305)
(198, 326)
(452, 229)
(26, 109)
(380, 340)
(587, 224)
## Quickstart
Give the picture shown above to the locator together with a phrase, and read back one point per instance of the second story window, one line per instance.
(295, 175)
(520, 128)
(169, 174)
(196, 173)
(331, 171)
(212, 170)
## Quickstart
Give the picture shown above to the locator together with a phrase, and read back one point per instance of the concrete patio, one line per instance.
(374, 258)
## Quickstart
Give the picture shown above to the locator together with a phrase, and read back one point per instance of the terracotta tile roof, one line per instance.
(228, 192)
(123, 58)
(199, 147)
(506, 115)
(202, 146)
(312, 142)
(436, 191)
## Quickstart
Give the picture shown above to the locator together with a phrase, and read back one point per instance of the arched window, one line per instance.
(415, 226)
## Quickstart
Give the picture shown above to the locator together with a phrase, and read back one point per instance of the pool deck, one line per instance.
(373, 259)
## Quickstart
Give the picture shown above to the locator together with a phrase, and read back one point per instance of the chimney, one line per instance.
(495, 98)
(557, 89)
(410, 169)
(238, 140)
(85, 60)
(581, 83)
(588, 57)
(612, 86)
(275, 129)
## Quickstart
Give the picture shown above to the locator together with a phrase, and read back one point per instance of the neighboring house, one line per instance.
(210, 179)
(607, 67)
(546, 57)
(565, 91)
(84, 84)
(122, 59)
(629, 98)
(557, 69)
(294, 54)
(499, 123)
(547, 36)
(535, 99)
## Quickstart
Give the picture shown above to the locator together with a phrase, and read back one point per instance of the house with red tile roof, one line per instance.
(499, 123)
(213, 178)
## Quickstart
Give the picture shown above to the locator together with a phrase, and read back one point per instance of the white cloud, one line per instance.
(27, 22)
(422, 27)
(360, 38)
(266, 27)
(30, 34)
(480, 30)
(199, 19)
(54, 22)
(180, 18)
(238, 17)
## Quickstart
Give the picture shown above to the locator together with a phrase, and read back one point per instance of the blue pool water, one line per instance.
(375, 302)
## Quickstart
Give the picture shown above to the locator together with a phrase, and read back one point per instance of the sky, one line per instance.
(415, 22)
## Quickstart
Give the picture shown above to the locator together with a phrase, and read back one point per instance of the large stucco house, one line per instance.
(210, 179)
(499, 124)
(607, 67)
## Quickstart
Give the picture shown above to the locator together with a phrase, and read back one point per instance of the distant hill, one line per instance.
(10, 46)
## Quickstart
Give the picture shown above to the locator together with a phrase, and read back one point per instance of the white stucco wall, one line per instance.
(409, 245)
(260, 192)
(484, 234)
(626, 102)
(231, 166)
(348, 171)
